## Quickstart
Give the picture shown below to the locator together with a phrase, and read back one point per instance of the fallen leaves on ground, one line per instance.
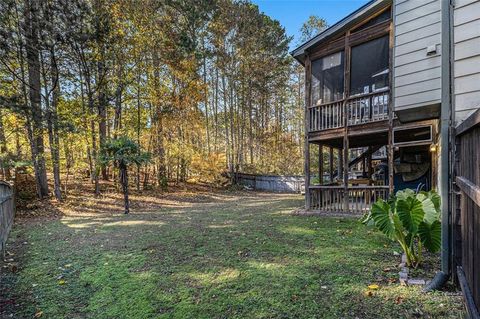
(398, 300)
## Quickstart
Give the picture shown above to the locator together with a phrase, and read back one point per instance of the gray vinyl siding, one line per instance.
(466, 50)
(417, 87)
(416, 75)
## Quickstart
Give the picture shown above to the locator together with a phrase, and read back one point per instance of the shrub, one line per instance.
(412, 219)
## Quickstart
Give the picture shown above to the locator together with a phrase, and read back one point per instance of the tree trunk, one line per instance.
(93, 137)
(232, 136)
(124, 183)
(146, 176)
(52, 125)
(102, 109)
(101, 28)
(85, 122)
(225, 117)
(215, 114)
(33, 62)
(117, 120)
(68, 164)
(250, 124)
(94, 155)
(158, 124)
(206, 98)
(139, 118)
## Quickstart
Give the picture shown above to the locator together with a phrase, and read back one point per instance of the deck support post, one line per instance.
(345, 172)
(308, 78)
(364, 166)
(330, 163)
(390, 165)
(340, 164)
(369, 166)
(346, 85)
(390, 120)
(390, 162)
(320, 164)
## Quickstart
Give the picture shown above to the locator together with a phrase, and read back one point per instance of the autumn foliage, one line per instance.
(206, 87)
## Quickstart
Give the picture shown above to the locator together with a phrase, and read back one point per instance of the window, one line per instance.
(327, 79)
(416, 135)
(370, 69)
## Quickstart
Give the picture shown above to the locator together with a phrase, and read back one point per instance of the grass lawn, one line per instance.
(213, 255)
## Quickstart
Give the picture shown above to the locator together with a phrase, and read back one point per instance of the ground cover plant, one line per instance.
(205, 255)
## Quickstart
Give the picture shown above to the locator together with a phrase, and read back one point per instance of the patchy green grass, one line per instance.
(235, 256)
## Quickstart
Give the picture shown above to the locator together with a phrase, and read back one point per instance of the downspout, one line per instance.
(446, 121)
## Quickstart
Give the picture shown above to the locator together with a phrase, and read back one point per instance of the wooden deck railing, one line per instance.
(360, 109)
(367, 108)
(326, 116)
(332, 198)
(7, 212)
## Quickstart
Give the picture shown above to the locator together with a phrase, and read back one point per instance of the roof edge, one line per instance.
(368, 8)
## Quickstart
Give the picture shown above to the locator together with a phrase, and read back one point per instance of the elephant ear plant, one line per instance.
(412, 219)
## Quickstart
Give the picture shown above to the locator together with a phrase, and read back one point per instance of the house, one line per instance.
(395, 77)
(371, 86)
(376, 82)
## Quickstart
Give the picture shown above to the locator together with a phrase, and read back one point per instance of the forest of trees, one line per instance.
(205, 87)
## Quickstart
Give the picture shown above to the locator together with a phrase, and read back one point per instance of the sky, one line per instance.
(292, 13)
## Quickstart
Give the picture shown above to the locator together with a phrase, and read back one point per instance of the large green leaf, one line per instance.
(381, 214)
(405, 193)
(431, 214)
(411, 213)
(368, 220)
(436, 199)
(430, 235)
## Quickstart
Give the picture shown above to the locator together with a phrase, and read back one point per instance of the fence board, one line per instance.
(272, 183)
(466, 226)
(7, 213)
(470, 189)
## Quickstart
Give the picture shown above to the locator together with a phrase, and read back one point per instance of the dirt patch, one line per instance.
(80, 200)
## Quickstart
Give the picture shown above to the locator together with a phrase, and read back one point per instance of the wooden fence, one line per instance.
(272, 183)
(466, 217)
(7, 213)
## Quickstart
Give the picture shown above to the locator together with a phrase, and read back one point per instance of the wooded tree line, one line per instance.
(204, 86)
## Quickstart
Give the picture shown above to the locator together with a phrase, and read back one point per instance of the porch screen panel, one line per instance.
(327, 79)
(369, 66)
